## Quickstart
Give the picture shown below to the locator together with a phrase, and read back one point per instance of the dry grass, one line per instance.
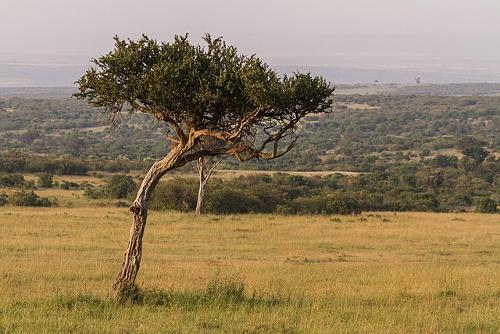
(374, 273)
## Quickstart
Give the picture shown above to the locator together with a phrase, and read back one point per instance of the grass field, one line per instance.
(373, 273)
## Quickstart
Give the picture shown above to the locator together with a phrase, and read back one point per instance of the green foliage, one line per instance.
(425, 202)
(29, 198)
(341, 203)
(11, 180)
(17, 161)
(67, 185)
(45, 180)
(407, 188)
(349, 139)
(3, 199)
(443, 161)
(476, 153)
(202, 87)
(486, 205)
(175, 194)
(227, 201)
(212, 100)
(118, 187)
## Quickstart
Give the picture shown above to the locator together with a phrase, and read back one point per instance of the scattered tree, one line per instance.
(45, 180)
(3, 199)
(486, 205)
(201, 94)
(476, 153)
(29, 198)
(204, 171)
(120, 186)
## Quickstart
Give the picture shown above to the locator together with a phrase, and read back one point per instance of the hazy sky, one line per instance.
(271, 28)
(50, 42)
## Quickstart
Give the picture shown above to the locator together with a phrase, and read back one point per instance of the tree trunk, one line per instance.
(201, 190)
(133, 253)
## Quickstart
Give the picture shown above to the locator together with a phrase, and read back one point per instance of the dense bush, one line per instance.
(3, 199)
(486, 205)
(29, 198)
(403, 189)
(394, 129)
(227, 200)
(45, 180)
(11, 180)
(342, 203)
(19, 161)
(407, 187)
(175, 194)
(254, 194)
(16, 161)
(118, 187)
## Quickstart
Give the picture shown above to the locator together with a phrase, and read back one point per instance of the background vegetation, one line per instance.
(414, 152)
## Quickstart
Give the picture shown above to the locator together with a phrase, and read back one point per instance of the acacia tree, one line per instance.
(203, 94)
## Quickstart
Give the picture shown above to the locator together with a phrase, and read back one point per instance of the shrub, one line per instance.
(175, 194)
(29, 198)
(284, 209)
(425, 202)
(341, 203)
(92, 192)
(3, 199)
(310, 205)
(11, 180)
(227, 201)
(67, 185)
(120, 186)
(442, 161)
(486, 205)
(45, 180)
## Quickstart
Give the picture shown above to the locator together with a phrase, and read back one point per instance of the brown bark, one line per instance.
(133, 253)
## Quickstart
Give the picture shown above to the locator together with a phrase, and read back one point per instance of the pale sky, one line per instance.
(49, 42)
(272, 28)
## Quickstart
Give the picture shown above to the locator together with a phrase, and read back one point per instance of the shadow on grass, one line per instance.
(220, 292)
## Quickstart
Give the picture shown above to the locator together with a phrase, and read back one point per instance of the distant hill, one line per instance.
(363, 132)
(453, 89)
(37, 92)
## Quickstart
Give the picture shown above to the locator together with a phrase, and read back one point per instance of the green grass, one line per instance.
(374, 273)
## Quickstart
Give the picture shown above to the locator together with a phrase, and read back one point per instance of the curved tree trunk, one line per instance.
(133, 253)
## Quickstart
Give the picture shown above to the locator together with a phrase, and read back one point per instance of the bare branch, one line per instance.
(209, 173)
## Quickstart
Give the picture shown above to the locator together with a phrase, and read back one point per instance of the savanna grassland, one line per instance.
(370, 273)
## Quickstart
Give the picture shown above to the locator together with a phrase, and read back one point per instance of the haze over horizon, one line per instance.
(49, 43)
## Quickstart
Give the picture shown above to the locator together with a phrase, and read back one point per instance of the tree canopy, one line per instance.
(204, 93)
